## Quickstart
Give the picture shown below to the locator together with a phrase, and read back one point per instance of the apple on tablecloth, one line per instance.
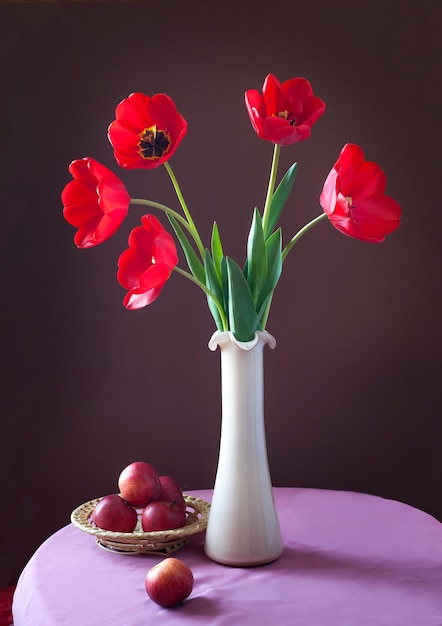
(169, 582)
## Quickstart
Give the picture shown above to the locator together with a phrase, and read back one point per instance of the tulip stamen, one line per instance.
(153, 143)
(285, 115)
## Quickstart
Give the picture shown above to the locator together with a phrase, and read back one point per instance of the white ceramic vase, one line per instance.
(243, 527)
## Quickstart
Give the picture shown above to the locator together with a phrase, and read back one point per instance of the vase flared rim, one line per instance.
(220, 338)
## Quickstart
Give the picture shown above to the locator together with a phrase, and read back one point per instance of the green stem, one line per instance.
(271, 186)
(161, 207)
(207, 292)
(192, 228)
(265, 315)
(300, 233)
(286, 250)
(177, 216)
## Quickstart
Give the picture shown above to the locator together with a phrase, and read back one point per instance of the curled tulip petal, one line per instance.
(95, 201)
(147, 264)
(353, 198)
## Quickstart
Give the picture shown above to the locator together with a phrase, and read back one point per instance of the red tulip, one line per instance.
(285, 113)
(147, 264)
(147, 131)
(96, 202)
(353, 198)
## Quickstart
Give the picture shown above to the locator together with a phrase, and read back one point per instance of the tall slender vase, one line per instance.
(243, 527)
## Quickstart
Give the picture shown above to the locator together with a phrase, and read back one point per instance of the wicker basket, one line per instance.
(139, 542)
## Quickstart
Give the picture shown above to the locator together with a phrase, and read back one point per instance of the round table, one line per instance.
(350, 559)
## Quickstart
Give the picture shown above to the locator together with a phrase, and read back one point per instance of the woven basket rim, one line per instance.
(197, 519)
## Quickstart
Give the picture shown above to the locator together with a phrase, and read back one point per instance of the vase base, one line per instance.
(247, 561)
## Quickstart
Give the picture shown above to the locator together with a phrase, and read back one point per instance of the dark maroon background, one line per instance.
(353, 395)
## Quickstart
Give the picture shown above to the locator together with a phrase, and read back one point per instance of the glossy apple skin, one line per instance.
(169, 582)
(171, 491)
(160, 515)
(113, 513)
(139, 484)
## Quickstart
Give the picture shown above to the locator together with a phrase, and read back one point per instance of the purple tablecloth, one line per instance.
(350, 559)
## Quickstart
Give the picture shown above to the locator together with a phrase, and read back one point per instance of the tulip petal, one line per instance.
(147, 131)
(354, 200)
(146, 265)
(96, 202)
(284, 113)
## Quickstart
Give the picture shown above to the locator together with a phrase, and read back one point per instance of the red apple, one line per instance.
(160, 515)
(171, 491)
(139, 484)
(113, 513)
(169, 582)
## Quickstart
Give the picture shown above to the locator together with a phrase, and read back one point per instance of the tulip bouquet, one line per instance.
(145, 134)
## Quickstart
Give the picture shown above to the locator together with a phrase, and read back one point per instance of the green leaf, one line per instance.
(213, 283)
(274, 268)
(195, 265)
(217, 249)
(256, 257)
(225, 282)
(243, 321)
(279, 199)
